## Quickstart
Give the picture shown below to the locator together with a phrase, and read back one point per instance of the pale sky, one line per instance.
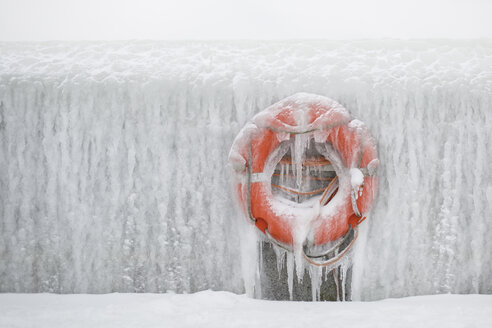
(35, 20)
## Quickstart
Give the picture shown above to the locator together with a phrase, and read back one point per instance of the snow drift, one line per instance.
(113, 156)
(223, 309)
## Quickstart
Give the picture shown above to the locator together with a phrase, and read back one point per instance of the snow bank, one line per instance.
(113, 157)
(223, 309)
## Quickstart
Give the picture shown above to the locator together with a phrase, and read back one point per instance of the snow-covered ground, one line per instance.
(224, 309)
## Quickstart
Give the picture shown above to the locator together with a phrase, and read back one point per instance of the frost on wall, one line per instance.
(113, 156)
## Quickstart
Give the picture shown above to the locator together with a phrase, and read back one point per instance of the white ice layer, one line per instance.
(113, 160)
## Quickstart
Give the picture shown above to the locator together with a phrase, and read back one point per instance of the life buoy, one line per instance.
(342, 140)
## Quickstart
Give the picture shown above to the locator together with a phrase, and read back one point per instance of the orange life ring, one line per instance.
(329, 124)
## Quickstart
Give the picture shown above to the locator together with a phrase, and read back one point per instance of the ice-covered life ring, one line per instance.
(287, 131)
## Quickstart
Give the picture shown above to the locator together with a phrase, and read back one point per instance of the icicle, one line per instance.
(337, 283)
(343, 273)
(282, 174)
(259, 268)
(249, 257)
(280, 256)
(316, 275)
(301, 143)
(290, 274)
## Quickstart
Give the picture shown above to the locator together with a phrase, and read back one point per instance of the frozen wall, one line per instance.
(113, 157)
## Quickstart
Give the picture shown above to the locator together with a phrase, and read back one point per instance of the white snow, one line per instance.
(356, 178)
(113, 160)
(223, 309)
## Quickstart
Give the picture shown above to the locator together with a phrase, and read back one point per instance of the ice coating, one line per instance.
(113, 160)
(302, 120)
(300, 106)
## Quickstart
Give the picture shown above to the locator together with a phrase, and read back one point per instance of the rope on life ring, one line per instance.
(323, 260)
